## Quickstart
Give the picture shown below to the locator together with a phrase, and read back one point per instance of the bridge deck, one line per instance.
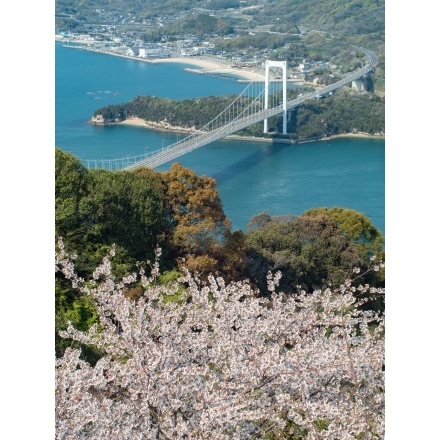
(203, 138)
(199, 140)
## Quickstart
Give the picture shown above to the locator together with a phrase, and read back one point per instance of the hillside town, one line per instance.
(192, 48)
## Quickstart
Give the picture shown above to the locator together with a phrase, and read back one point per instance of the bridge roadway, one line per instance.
(201, 139)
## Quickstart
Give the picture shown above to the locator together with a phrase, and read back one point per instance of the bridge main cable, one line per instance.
(198, 141)
(245, 119)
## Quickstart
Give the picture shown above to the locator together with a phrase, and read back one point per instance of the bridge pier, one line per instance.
(283, 65)
(358, 85)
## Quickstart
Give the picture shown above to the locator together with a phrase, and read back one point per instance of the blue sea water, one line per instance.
(252, 176)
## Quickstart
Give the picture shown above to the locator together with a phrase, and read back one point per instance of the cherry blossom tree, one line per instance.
(222, 364)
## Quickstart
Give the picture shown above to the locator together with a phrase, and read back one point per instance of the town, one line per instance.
(305, 72)
(244, 47)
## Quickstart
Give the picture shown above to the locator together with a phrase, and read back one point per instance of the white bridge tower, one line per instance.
(281, 64)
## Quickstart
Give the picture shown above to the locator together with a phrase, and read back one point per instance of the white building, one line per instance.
(146, 51)
(305, 67)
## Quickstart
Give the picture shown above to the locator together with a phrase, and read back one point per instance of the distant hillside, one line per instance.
(342, 18)
(316, 29)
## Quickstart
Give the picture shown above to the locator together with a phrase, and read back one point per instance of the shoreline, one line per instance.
(209, 66)
(353, 135)
(164, 126)
(201, 65)
(151, 125)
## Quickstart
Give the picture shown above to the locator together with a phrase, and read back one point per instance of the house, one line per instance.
(305, 67)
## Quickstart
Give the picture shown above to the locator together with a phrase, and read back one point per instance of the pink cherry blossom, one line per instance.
(223, 364)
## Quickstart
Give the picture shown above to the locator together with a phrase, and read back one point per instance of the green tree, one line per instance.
(309, 251)
(93, 210)
(79, 310)
(358, 227)
(71, 182)
(365, 237)
(231, 256)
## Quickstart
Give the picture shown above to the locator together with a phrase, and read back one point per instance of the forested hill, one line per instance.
(343, 112)
(346, 19)
(288, 30)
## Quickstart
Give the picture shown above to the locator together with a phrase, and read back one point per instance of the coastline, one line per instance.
(211, 66)
(202, 65)
(152, 125)
(165, 126)
(353, 135)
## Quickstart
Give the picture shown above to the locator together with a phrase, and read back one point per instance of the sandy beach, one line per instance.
(209, 66)
(212, 66)
(164, 126)
(353, 135)
(202, 65)
(161, 126)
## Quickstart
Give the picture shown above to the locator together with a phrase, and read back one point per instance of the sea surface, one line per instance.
(252, 177)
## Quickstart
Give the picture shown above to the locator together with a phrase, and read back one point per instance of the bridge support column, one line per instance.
(283, 65)
(358, 84)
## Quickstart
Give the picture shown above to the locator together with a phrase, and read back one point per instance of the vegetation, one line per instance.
(314, 29)
(199, 25)
(339, 17)
(187, 113)
(296, 351)
(309, 251)
(182, 213)
(265, 40)
(197, 219)
(177, 210)
(222, 363)
(343, 112)
(96, 208)
(357, 227)
(317, 249)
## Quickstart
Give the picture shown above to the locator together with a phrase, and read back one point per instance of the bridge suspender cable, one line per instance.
(246, 110)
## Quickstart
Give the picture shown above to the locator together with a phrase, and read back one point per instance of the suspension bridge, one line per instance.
(254, 104)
